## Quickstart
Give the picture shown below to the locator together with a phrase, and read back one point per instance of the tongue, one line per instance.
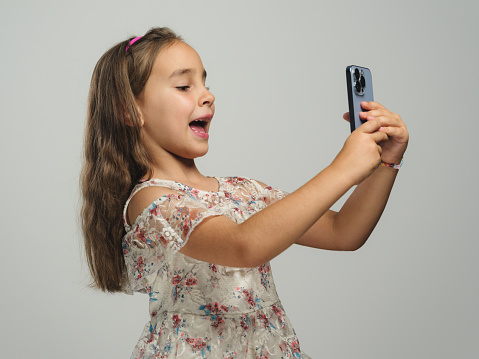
(197, 128)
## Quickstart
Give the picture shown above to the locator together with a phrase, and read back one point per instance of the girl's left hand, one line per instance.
(392, 125)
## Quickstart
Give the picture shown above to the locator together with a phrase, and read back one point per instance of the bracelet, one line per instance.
(392, 165)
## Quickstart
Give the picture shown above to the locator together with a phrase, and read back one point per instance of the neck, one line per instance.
(172, 167)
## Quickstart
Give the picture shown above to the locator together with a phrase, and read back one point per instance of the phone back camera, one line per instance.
(359, 81)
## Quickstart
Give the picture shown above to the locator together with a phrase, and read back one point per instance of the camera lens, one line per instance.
(357, 86)
(363, 81)
(356, 74)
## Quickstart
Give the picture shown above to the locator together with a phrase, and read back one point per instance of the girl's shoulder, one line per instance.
(144, 195)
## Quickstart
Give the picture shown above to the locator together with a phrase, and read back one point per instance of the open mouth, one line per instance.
(199, 126)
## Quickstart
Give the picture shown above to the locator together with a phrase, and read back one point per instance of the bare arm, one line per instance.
(352, 225)
(349, 228)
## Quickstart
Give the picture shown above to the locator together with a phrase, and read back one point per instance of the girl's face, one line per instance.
(175, 106)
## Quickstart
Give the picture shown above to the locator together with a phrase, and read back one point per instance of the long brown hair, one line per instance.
(114, 157)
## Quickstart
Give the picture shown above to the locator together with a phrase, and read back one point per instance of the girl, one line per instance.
(200, 246)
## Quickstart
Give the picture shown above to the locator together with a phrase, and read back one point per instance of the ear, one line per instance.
(128, 120)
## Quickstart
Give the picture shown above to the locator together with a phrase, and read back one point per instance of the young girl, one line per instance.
(200, 246)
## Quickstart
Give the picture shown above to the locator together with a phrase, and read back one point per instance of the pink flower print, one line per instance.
(141, 237)
(191, 281)
(140, 267)
(244, 320)
(213, 308)
(279, 313)
(213, 268)
(214, 311)
(249, 298)
(176, 279)
(216, 321)
(176, 320)
(196, 343)
(295, 347)
(264, 318)
(265, 268)
(264, 272)
(155, 211)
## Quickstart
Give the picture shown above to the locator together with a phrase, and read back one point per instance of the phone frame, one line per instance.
(354, 97)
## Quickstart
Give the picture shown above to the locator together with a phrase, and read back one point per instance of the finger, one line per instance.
(372, 125)
(397, 132)
(371, 105)
(391, 121)
(346, 116)
(370, 118)
(379, 136)
(376, 113)
(381, 112)
(386, 118)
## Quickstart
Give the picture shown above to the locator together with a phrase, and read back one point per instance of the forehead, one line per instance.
(174, 57)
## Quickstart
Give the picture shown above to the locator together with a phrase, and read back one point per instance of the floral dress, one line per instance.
(200, 309)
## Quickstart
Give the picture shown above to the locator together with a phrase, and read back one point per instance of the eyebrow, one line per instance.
(181, 72)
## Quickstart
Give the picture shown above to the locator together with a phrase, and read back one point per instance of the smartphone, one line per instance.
(360, 88)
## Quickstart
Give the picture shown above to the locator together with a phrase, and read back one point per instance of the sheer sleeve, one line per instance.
(268, 194)
(272, 195)
(158, 234)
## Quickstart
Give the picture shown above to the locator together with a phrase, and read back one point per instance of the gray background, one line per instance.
(277, 70)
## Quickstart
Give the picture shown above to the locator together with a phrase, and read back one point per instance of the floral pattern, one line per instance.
(199, 309)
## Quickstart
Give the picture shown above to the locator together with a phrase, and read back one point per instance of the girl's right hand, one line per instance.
(361, 153)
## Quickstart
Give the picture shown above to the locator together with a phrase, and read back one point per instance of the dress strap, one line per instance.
(140, 186)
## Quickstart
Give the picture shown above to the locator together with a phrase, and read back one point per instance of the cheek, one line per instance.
(183, 105)
(171, 109)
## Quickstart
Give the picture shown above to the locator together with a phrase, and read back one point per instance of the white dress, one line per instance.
(200, 309)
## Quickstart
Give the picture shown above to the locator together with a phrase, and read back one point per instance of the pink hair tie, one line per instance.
(133, 41)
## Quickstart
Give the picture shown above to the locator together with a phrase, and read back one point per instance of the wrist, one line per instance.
(394, 157)
(395, 165)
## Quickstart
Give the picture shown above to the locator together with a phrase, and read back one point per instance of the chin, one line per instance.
(196, 154)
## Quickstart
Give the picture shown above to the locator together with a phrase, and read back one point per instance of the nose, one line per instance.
(207, 98)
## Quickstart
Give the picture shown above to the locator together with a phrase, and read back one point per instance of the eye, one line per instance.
(183, 88)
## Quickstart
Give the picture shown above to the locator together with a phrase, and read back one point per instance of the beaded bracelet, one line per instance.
(392, 165)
